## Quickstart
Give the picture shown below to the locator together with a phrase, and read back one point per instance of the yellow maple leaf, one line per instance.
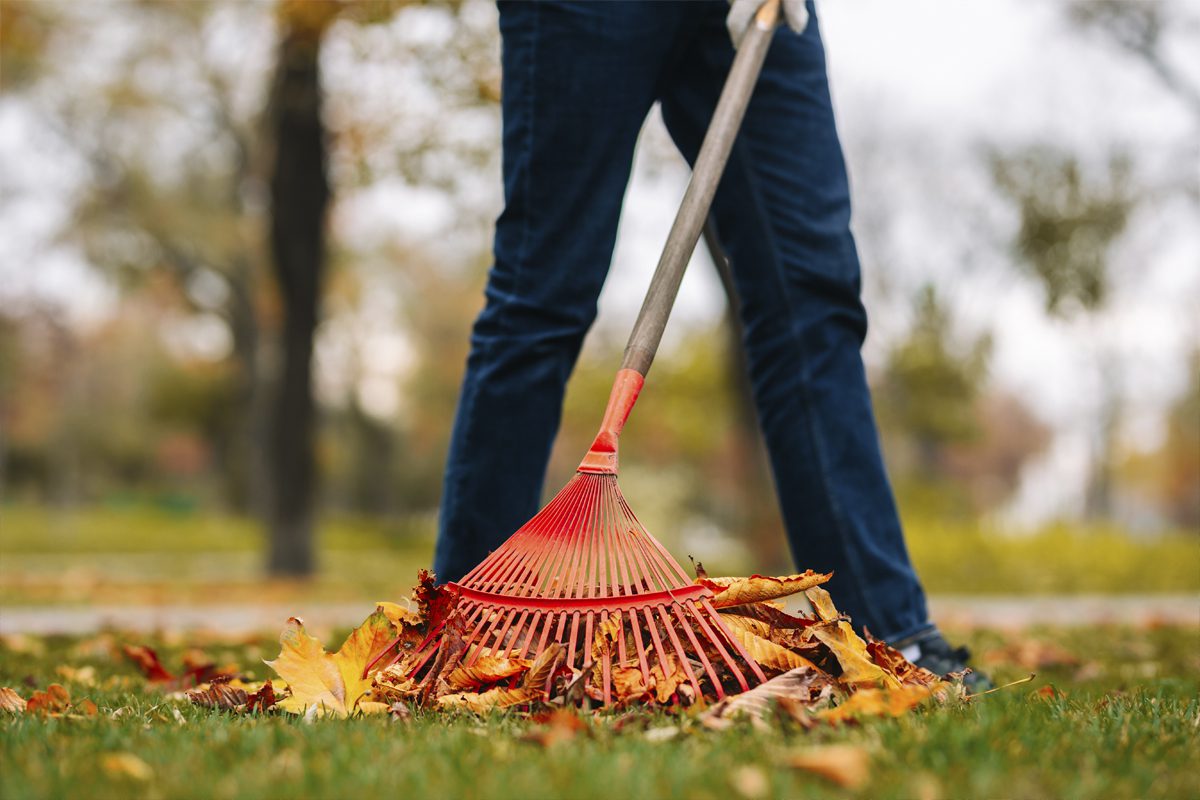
(333, 682)
(756, 588)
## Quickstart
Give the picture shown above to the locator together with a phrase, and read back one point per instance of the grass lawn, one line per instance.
(1124, 723)
(135, 555)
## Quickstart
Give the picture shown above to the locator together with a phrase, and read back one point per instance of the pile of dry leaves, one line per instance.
(818, 668)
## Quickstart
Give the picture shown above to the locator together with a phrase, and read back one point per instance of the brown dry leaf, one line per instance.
(55, 700)
(843, 764)
(756, 588)
(806, 685)
(147, 661)
(485, 671)
(483, 702)
(768, 654)
(878, 703)
(10, 701)
(126, 765)
(891, 661)
(261, 701)
(218, 694)
(772, 616)
(851, 652)
(333, 682)
(542, 668)
(400, 616)
(822, 603)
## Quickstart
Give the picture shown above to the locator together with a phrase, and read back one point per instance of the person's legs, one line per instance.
(783, 213)
(579, 80)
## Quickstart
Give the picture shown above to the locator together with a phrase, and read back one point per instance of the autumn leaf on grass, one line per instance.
(893, 702)
(147, 661)
(55, 700)
(851, 652)
(806, 686)
(756, 588)
(10, 701)
(768, 654)
(333, 682)
(126, 765)
(844, 764)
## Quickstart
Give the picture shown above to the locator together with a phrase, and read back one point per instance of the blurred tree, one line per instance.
(1140, 28)
(928, 389)
(1068, 222)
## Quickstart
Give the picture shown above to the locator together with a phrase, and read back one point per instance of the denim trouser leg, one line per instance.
(578, 81)
(783, 214)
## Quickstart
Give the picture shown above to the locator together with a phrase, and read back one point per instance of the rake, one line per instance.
(584, 570)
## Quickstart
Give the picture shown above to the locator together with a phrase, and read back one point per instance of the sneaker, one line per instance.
(931, 651)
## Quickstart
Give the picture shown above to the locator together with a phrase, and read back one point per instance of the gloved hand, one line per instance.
(741, 14)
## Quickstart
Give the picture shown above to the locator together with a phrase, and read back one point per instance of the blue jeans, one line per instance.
(579, 80)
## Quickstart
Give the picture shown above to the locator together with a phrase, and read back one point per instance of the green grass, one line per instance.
(132, 554)
(1127, 727)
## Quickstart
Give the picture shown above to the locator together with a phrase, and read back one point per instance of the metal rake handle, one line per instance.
(710, 164)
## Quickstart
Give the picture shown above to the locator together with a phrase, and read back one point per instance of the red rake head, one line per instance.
(585, 574)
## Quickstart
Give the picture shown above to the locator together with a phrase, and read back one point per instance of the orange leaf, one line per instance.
(55, 700)
(10, 701)
(878, 703)
(756, 588)
(843, 764)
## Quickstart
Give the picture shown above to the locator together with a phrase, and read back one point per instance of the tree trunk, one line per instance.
(299, 198)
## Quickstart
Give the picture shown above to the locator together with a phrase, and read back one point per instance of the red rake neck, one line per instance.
(601, 459)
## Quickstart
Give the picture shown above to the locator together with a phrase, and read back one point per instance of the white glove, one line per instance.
(741, 14)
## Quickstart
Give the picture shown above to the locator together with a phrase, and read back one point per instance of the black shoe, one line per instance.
(931, 651)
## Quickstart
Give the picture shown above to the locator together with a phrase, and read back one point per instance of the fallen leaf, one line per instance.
(261, 701)
(843, 764)
(10, 701)
(871, 702)
(807, 685)
(851, 653)
(772, 616)
(126, 765)
(486, 670)
(756, 588)
(87, 708)
(822, 603)
(333, 682)
(55, 700)
(218, 694)
(492, 699)
(147, 661)
(768, 654)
